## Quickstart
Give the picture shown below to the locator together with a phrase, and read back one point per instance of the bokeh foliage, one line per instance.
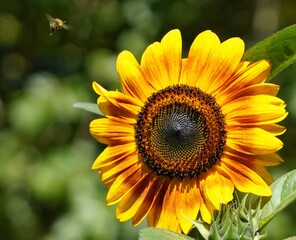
(47, 188)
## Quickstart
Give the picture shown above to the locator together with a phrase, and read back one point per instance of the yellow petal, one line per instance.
(253, 74)
(112, 171)
(206, 208)
(242, 66)
(111, 132)
(262, 172)
(266, 120)
(257, 100)
(218, 188)
(124, 183)
(253, 141)
(113, 154)
(133, 82)
(168, 216)
(131, 203)
(257, 89)
(225, 63)
(274, 129)
(148, 202)
(99, 89)
(244, 179)
(256, 162)
(206, 213)
(117, 104)
(161, 62)
(189, 202)
(272, 159)
(172, 46)
(199, 57)
(154, 213)
(138, 202)
(210, 63)
(254, 110)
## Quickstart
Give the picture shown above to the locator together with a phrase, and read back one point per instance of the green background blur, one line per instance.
(47, 189)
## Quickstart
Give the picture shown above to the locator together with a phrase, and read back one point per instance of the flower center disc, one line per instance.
(180, 132)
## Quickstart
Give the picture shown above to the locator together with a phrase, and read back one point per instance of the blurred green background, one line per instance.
(47, 189)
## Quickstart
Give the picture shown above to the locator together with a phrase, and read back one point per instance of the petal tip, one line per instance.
(98, 88)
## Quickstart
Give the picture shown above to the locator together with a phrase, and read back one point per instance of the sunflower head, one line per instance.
(185, 132)
(180, 132)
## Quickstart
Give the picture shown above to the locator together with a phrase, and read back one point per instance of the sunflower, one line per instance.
(185, 132)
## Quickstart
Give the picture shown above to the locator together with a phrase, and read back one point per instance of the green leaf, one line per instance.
(90, 107)
(290, 238)
(152, 233)
(279, 49)
(202, 227)
(283, 193)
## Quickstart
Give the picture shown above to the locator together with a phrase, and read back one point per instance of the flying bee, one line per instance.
(56, 24)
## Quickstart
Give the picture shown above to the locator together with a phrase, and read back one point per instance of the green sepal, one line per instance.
(236, 220)
(279, 49)
(90, 107)
(153, 233)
